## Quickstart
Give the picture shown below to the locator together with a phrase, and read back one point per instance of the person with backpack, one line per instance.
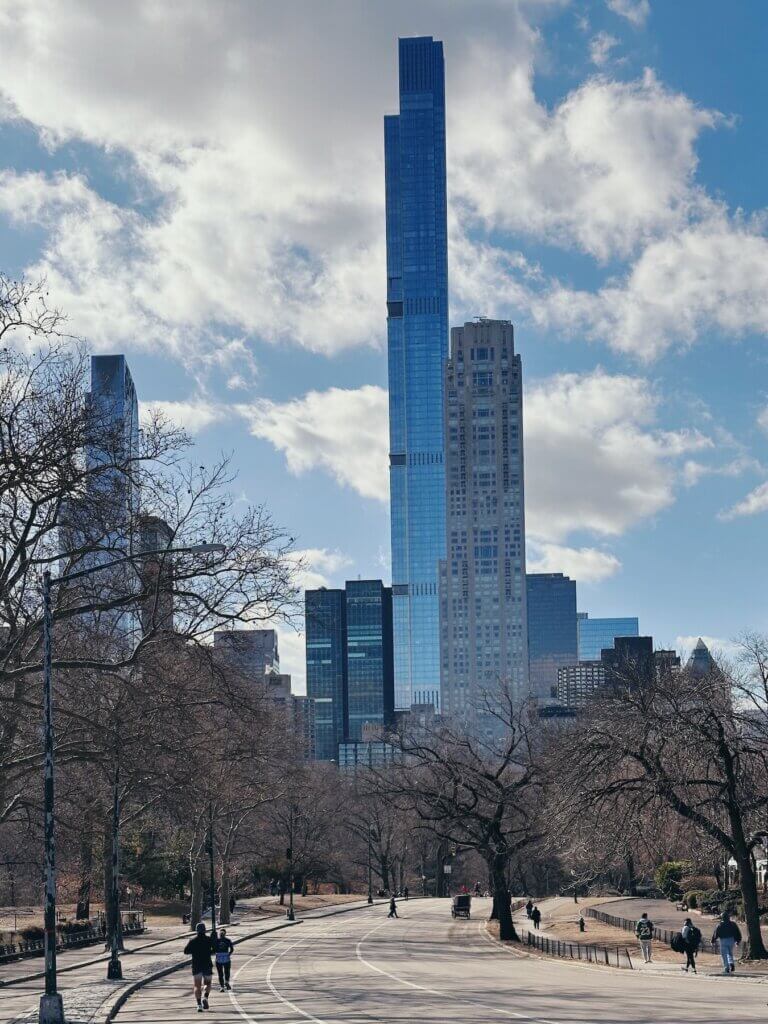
(691, 940)
(644, 932)
(727, 934)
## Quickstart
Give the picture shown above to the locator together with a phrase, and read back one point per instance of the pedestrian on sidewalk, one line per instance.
(392, 908)
(727, 934)
(691, 937)
(224, 950)
(529, 909)
(405, 893)
(201, 948)
(536, 917)
(644, 932)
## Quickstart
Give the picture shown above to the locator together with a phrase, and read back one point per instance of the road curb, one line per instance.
(108, 1014)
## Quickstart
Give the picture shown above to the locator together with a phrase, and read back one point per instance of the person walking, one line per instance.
(528, 909)
(727, 934)
(200, 949)
(392, 908)
(691, 937)
(536, 917)
(224, 949)
(644, 932)
(405, 893)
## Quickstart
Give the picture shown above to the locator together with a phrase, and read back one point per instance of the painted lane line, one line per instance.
(441, 994)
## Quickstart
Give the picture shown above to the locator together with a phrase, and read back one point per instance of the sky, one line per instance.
(202, 186)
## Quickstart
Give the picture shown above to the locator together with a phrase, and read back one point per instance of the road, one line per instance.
(361, 968)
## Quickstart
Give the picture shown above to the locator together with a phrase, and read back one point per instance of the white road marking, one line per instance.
(437, 992)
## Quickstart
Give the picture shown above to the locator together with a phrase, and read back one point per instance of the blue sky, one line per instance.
(202, 186)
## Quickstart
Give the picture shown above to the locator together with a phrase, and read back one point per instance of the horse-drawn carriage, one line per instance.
(461, 905)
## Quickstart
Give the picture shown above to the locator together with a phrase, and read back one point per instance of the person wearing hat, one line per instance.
(728, 935)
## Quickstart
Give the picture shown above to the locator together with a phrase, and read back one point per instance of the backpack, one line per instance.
(695, 939)
(678, 943)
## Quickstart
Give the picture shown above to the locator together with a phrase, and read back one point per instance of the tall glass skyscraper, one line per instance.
(326, 633)
(417, 330)
(369, 656)
(595, 635)
(552, 633)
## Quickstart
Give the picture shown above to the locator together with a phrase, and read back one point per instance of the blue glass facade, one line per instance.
(596, 635)
(326, 638)
(552, 632)
(417, 329)
(370, 692)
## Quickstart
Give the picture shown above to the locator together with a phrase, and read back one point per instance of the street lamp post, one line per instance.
(370, 875)
(51, 1005)
(210, 864)
(114, 968)
(290, 914)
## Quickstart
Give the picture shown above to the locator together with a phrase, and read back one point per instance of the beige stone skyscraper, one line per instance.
(483, 635)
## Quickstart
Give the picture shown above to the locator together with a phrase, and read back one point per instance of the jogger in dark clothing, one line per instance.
(536, 917)
(392, 908)
(200, 948)
(224, 948)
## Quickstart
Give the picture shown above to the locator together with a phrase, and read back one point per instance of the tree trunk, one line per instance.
(384, 865)
(501, 901)
(631, 881)
(196, 893)
(83, 911)
(754, 947)
(226, 890)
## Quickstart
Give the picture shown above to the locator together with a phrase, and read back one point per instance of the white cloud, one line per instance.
(762, 419)
(193, 415)
(319, 566)
(587, 565)
(753, 504)
(693, 471)
(609, 168)
(594, 459)
(341, 431)
(635, 11)
(600, 47)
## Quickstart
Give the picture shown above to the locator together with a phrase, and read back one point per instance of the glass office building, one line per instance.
(326, 638)
(596, 635)
(483, 633)
(552, 633)
(417, 331)
(370, 688)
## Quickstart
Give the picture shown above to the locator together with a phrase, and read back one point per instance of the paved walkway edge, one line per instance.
(107, 1013)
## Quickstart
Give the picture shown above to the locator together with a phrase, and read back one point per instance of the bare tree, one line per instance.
(681, 742)
(477, 792)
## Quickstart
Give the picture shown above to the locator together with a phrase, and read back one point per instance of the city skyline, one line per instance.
(634, 426)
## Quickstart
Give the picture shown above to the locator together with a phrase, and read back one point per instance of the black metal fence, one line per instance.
(589, 952)
(660, 934)
(132, 923)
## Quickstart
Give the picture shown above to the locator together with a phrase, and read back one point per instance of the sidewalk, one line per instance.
(560, 917)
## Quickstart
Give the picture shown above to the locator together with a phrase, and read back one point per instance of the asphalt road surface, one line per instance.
(362, 968)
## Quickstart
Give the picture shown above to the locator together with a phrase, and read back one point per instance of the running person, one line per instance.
(224, 948)
(200, 949)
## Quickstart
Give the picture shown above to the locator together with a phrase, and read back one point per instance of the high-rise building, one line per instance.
(579, 682)
(253, 653)
(552, 633)
(370, 686)
(701, 663)
(325, 618)
(113, 495)
(597, 634)
(629, 661)
(484, 641)
(349, 662)
(157, 575)
(417, 332)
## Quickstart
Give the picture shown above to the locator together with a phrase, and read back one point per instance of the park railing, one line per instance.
(589, 952)
(664, 935)
(132, 924)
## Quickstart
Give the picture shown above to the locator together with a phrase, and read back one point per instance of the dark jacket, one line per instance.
(200, 949)
(224, 948)
(727, 930)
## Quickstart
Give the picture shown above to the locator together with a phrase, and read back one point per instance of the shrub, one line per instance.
(715, 901)
(692, 899)
(668, 875)
(32, 933)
